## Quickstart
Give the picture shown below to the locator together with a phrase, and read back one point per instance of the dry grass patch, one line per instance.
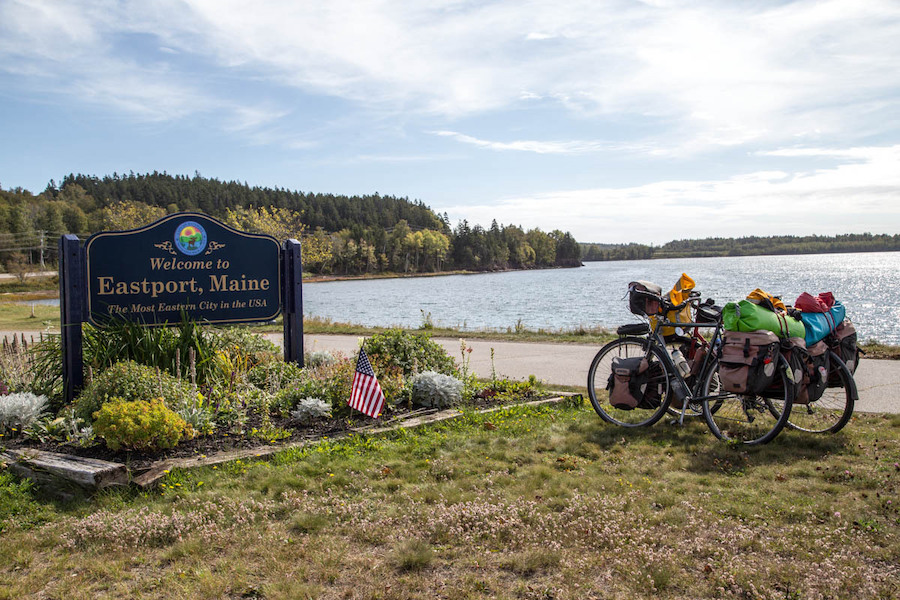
(551, 503)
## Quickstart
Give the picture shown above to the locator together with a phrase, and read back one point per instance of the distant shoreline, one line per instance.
(784, 245)
(330, 278)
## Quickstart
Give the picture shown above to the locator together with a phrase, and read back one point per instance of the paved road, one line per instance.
(8, 277)
(878, 381)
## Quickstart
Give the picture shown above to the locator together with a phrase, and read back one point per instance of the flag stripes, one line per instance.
(366, 395)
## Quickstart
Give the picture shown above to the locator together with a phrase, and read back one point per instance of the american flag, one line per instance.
(366, 396)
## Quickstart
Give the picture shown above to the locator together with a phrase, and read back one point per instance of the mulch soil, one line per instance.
(209, 445)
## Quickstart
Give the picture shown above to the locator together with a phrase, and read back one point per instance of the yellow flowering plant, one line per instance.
(140, 425)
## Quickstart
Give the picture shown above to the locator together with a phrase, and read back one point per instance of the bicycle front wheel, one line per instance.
(598, 379)
(746, 418)
(833, 410)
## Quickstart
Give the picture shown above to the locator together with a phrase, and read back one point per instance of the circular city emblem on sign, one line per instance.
(190, 238)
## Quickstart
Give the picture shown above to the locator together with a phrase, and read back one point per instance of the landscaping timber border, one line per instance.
(55, 470)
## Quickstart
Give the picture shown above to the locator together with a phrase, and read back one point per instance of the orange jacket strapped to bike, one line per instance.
(764, 298)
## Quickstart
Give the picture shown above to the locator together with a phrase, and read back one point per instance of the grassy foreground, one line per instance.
(541, 502)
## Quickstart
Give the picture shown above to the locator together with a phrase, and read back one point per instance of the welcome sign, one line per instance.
(184, 264)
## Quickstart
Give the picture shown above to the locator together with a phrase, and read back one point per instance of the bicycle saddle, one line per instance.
(634, 329)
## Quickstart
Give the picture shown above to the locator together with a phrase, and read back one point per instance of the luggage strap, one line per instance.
(783, 325)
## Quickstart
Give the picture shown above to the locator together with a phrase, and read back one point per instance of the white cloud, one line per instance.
(538, 147)
(715, 74)
(858, 194)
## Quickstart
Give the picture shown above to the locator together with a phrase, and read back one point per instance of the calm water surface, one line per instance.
(594, 295)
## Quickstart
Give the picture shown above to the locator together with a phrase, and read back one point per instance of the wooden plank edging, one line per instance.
(52, 467)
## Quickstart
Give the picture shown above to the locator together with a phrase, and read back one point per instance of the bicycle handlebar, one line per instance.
(693, 298)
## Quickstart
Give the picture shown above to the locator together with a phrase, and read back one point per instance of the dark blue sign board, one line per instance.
(184, 265)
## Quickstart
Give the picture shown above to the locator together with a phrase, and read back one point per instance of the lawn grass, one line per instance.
(18, 317)
(579, 335)
(31, 284)
(537, 502)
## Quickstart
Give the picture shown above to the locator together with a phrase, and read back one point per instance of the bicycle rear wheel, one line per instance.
(598, 378)
(833, 410)
(742, 418)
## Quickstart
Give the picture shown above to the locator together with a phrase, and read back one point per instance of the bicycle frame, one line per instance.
(677, 382)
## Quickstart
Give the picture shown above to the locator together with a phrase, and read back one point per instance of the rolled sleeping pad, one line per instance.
(747, 316)
(818, 325)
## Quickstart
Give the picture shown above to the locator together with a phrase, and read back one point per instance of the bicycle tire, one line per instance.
(746, 419)
(833, 410)
(598, 376)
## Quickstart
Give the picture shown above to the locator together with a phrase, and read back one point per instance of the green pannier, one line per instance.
(746, 316)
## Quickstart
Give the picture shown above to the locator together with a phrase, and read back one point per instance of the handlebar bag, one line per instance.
(747, 361)
(708, 313)
(628, 382)
(644, 298)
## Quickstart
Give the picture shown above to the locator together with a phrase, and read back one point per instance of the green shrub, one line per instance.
(275, 375)
(393, 384)
(66, 427)
(198, 413)
(436, 390)
(287, 398)
(247, 342)
(335, 382)
(129, 380)
(318, 358)
(238, 351)
(409, 351)
(510, 390)
(140, 425)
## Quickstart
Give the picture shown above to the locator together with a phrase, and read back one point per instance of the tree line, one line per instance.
(745, 246)
(340, 234)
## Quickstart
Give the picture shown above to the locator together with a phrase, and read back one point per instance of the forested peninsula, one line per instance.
(341, 235)
(744, 246)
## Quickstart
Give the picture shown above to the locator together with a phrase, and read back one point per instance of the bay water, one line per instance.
(594, 295)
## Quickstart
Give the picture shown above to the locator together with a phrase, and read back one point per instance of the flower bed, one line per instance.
(161, 393)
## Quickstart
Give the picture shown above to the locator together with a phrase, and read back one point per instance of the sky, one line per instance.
(619, 121)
